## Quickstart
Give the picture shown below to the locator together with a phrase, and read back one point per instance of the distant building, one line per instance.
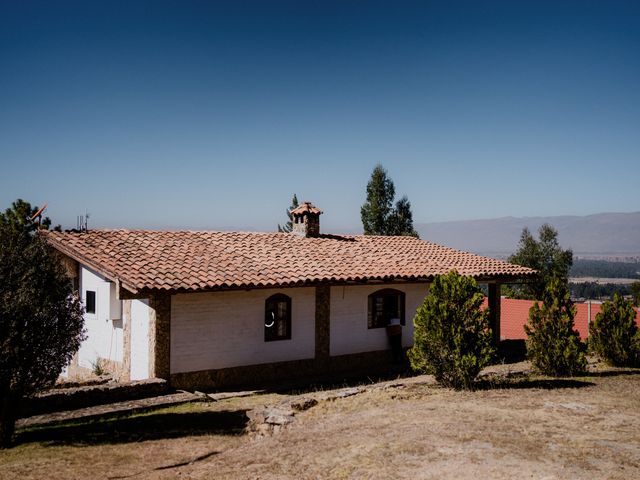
(515, 314)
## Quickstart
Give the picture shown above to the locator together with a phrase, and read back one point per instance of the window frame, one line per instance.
(269, 335)
(385, 293)
(87, 303)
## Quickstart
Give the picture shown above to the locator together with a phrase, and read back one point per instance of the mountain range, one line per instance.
(598, 235)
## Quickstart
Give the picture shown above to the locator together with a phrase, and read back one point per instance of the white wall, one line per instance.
(139, 339)
(349, 328)
(104, 327)
(226, 329)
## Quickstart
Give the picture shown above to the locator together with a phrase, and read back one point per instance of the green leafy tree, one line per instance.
(553, 344)
(41, 324)
(379, 215)
(635, 292)
(613, 335)
(545, 255)
(452, 336)
(288, 226)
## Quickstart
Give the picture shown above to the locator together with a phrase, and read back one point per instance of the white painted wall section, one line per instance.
(139, 339)
(349, 329)
(104, 328)
(226, 329)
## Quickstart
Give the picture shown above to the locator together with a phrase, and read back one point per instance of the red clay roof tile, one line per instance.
(306, 207)
(206, 260)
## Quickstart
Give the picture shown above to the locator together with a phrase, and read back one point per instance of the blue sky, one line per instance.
(210, 115)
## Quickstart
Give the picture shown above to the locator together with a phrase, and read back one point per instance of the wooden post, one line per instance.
(494, 311)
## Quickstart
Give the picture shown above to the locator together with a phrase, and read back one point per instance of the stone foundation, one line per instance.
(283, 373)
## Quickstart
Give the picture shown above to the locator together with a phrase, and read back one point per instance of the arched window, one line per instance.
(385, 305)
(277, 318)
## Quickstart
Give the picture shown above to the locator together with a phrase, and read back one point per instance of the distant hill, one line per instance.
(599, 235)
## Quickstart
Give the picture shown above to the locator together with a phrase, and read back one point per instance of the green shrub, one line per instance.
(452, 337)
(553, 345)
(614, 335)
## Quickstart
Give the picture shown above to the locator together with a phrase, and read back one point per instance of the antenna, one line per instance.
(38, 214)
(82, 222)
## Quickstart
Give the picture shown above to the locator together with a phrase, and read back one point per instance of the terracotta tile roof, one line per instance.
(306, 207)
(203, 260)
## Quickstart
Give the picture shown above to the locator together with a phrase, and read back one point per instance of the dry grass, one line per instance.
(524, 428)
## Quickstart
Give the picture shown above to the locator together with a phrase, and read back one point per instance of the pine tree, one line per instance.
(19, 217)
(41, 323)
(288, 226)
(553, 344)
(379, 216)
(614, 335)
(452, 336)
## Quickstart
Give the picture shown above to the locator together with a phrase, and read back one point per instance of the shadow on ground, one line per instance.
(335, 381)
(152, 426)
(613, 373)
(521, 384)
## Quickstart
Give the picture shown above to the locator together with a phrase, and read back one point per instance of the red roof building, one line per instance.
(514, 314)
(203, 308)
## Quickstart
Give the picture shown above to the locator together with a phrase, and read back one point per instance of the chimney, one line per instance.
(306, 220)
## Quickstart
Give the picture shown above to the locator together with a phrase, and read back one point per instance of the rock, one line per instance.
(304, 403)
(268, 420)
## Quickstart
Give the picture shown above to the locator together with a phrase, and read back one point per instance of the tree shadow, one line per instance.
(155, 426)
(335, 381)
(523, 384)
(191, 461)
(614, 373)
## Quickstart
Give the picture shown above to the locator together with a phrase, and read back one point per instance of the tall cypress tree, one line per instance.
(401, 219)
(379, 215)
(553, 343)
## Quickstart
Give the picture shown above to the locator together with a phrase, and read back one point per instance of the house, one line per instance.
(202, 308)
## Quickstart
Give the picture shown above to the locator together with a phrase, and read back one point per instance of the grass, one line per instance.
(517, 426)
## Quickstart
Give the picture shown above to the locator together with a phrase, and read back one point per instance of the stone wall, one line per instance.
(80, 397)
(283, 373)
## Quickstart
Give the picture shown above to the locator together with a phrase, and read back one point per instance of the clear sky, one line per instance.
(188, 114)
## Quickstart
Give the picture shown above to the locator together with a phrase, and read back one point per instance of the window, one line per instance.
(385, 305)
(90, 301)
(277, 318)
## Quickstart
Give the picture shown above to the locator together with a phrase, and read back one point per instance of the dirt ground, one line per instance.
(514, 426)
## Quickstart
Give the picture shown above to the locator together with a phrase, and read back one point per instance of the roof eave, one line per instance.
(108, 274)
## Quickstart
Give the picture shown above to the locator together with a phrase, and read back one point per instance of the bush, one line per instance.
(553, 345)
(452, 338)
(614, 335)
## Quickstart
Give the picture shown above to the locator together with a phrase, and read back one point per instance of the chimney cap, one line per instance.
(306, 208)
